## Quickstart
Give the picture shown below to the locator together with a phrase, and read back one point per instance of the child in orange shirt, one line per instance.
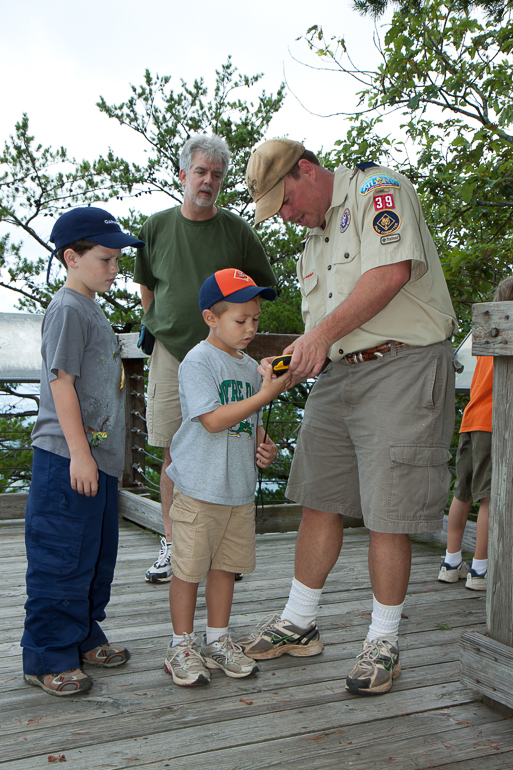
(473, 473)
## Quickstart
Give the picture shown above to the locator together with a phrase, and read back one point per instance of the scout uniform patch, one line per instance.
(386, 223)
(345, 221)
(378, 180)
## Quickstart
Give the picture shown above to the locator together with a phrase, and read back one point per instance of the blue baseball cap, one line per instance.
(92, 224)
(231, 285)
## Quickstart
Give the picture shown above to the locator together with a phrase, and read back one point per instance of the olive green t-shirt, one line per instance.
(179, 255)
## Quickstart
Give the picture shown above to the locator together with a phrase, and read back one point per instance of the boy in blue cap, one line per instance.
(214, 471)
(72, 510)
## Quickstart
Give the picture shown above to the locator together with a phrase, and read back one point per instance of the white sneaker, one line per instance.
(476, 582)
(185, 663)
(448, 574)
(160, 571)
(228, 656)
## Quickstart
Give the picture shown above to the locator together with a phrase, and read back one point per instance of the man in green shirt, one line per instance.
(184, 245)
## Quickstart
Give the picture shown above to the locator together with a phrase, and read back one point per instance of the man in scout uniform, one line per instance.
(375, 437)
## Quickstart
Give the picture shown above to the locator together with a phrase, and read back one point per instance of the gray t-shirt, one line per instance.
(77, 338)
(215, 467)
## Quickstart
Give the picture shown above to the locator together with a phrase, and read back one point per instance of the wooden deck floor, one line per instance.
(294, 713)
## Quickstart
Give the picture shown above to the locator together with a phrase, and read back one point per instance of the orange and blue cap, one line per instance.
(231, 285)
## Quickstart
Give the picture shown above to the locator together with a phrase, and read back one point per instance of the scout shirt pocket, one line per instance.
(345, 266)
(313, 306)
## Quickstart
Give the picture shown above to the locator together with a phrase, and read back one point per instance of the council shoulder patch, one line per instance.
(386, 222)
(345, 221)
(378, 180)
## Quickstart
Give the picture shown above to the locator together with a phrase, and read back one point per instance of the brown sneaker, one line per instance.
(70, 682)
(106, 655)
(376, 667)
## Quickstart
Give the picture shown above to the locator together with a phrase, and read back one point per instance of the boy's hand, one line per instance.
(272, 385)
(266, 453)
(84, 474)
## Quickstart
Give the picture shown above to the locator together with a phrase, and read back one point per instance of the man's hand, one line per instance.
(309, 353)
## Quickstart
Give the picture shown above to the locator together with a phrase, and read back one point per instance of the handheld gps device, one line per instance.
(280, 364)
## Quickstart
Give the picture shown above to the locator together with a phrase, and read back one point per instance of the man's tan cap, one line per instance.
(267, 166)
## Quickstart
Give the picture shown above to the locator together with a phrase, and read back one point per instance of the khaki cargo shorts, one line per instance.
(163, 413)
(210, 536)
(474, 466)
(375, 438)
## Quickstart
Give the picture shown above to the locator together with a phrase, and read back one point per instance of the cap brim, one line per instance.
(270, 203)
(116, 241)
(250, 292)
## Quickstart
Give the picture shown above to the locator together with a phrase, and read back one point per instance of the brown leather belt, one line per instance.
(372, 354)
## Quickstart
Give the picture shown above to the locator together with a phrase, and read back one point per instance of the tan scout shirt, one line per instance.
(375, 219)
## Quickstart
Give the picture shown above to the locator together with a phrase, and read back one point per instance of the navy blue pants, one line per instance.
(72, 543)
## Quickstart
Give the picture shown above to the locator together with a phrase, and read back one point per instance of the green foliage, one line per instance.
(449, 74)
(37, 183)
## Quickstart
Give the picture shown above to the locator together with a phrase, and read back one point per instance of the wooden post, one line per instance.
(492, 331)
(135, 412)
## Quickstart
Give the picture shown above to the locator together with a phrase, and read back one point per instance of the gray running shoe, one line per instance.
(376, 666)
(475, 581)
(229, 657)
(185, 663)
(449, 574)
(275, 637)
(70, 682)
(160, 571)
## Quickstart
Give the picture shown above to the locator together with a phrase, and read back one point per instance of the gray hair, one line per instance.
(213, 147)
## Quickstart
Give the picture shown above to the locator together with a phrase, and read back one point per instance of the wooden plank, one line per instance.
(330, 710)
(12, 505)
(487, 667)
(492, 329)
(294, 711)
(261, 346)
(141, 510)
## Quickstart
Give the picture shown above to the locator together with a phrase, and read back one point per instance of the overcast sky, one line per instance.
(57, 58)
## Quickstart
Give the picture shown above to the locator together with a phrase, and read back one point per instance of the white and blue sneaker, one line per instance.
(160, 571)
(450, 574)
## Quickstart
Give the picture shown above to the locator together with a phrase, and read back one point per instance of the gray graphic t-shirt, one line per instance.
(77, 338)
(215, 467)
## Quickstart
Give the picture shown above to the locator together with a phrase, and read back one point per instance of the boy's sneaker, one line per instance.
(277, 637)
(70, 682)
(475, 581)
(185, 663)
(377, 665)
(160, 571)
(228, 656)
(450, 574)
(106, 655)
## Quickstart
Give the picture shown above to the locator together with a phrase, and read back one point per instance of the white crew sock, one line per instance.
(213, 634)
(177, 639)
(480, 565)
(384, 621)
(453, 559)
(303, 604)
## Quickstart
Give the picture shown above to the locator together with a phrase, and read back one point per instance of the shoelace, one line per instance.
(229, 648)
(373, 650)
(189, 651)
(164, 556)
(261, 627)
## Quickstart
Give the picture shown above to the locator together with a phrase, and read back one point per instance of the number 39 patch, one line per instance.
(385, 201)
